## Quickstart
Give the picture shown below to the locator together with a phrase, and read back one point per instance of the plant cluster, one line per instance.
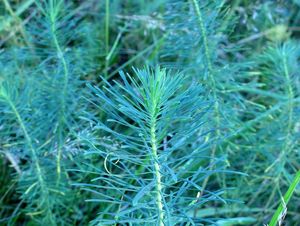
(161, 112)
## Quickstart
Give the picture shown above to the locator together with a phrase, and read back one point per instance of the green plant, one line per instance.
(170, 144)
(39, 95)
(154, 173)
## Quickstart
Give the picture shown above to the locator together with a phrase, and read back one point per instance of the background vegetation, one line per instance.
(203, 130)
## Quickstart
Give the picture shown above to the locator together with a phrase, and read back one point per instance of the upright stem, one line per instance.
(157, 174)
(61, 57)
(290, 109)
(290, 95)
(213, 86)
(28, 139)
(288, 146)
(204, 38)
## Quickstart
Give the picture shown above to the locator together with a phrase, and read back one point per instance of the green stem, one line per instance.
(28, 139)
(157, 174)
(61, 57)
(209, 63)
(213, 87)
(290, 109)
(290, 95)
(279, 214)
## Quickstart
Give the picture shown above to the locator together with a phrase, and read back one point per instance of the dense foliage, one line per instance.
(161, 112)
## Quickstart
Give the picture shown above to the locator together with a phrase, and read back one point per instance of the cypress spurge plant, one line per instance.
(146, 180)
(195, 44)
(153, 137)
(276, 132)
(281, 139)
(39, 100)
(35, 182)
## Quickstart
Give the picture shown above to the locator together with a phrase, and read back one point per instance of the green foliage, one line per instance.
(39, 95)
(159, 182)
(277, 132)
(207, 133)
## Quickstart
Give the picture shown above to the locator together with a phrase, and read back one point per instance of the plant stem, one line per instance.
(61, 57)
(290, 96)
(158, 187)
(28, 139)
(213, 89)
(290, 111)
(288, 146)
